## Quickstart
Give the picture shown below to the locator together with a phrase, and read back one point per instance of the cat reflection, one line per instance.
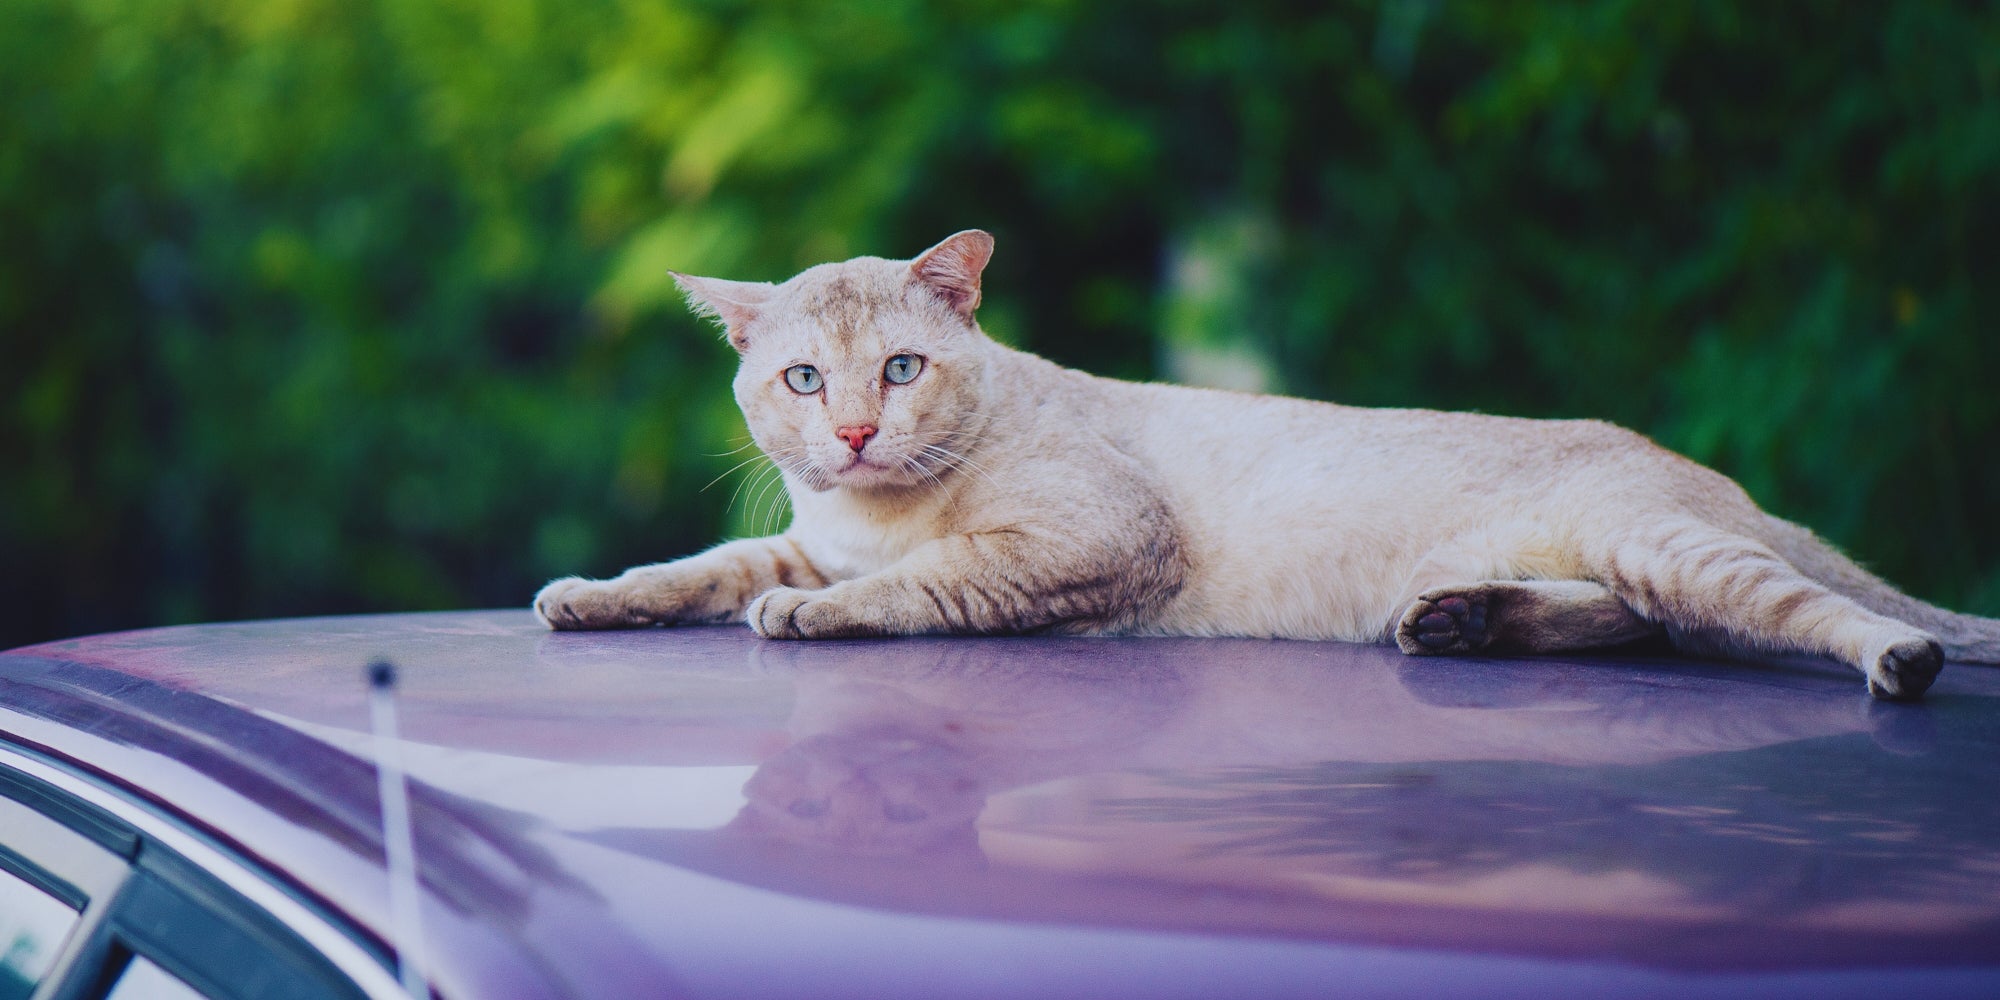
(880, 791)
(897, 746)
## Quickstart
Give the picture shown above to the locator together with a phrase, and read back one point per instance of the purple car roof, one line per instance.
(697, 812)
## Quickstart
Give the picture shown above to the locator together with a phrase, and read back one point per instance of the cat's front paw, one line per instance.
(576, 603)
(790, 613)
(774, 614)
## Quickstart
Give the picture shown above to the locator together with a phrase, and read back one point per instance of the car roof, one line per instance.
(699, 812)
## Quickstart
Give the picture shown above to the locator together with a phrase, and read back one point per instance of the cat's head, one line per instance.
(865, 374)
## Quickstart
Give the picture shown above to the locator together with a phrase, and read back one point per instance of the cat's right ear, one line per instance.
(735, 303)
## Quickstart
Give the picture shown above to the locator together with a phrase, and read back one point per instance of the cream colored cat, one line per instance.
(941, 482)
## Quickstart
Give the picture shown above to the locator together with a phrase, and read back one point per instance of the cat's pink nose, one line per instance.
(856, 437)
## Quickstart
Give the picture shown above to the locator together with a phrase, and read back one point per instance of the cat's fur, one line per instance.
(999, 492)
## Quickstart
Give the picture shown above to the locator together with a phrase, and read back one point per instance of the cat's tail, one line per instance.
(1966, 638)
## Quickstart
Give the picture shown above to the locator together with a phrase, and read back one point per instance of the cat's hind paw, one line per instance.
(1905, 670)
(1444, 622)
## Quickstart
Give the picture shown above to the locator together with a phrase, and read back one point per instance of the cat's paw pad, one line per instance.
(575, 603)
(1444, 622)
(1905, 670)
(775, 613)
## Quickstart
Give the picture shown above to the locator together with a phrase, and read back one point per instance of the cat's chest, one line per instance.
(845, 538)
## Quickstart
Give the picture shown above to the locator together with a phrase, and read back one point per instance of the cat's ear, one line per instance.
(735, 303)
(951, 269)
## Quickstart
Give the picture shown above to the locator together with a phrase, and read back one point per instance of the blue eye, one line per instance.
(902, 368)
(804, 379)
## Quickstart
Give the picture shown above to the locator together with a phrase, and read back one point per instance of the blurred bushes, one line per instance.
(313, 306)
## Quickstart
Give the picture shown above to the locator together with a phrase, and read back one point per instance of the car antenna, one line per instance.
(397, 843)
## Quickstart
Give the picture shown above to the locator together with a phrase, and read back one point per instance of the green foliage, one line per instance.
(312, 306)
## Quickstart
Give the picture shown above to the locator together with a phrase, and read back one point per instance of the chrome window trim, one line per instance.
(343, 952)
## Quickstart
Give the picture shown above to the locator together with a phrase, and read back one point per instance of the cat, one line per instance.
(943, 483)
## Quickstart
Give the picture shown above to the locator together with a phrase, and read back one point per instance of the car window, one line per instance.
(142, 980)
(85, 900)
(32, 927)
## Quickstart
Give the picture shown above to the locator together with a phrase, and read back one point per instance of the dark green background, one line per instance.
(339, 305)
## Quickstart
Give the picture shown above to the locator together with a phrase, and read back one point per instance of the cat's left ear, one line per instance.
(951, 269)
(735, 303)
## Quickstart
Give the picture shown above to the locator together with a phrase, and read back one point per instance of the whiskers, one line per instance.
(752, 460)
(766, 502)
(769, 502)
(748, 442)
(954, 459)
(917, 467)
